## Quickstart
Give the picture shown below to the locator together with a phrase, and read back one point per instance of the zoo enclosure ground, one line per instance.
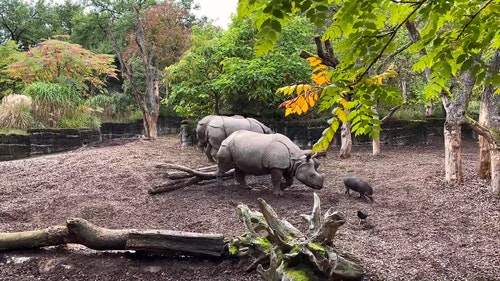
(418, 227)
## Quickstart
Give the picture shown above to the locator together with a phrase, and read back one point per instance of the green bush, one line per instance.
(15, 112)
(51, 102)
(80, 119)
(116, 107)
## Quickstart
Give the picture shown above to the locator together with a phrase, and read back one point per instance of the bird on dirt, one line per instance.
(362, 216)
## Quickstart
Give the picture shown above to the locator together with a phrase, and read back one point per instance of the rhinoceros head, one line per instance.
(307, 173)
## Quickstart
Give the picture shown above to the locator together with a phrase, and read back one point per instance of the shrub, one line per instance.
(51, 102)
(81, 118)
(116, 107)
(15, 112)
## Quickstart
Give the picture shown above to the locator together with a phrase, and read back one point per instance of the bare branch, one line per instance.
(473, 17)
(388, 116)
(387, 43)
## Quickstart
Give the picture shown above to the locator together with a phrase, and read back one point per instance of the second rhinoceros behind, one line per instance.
(213, 129)
(259, 154)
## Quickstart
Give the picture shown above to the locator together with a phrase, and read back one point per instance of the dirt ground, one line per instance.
(418, 227)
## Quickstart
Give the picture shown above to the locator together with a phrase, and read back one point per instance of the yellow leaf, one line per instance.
(280, 90)
(341, 115)
(299, 89)
(344, 103)
(313, 61)
(288, 111)
(288, 90)
(319, 68)
(310, 100)
(307, 87)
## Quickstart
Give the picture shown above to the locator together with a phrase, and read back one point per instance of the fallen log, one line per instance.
(186, 177)
(166, 187)
(201, 172)
(81, 231)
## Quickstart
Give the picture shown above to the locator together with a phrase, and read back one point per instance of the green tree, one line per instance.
(8, 85)
(192, 81)
(143, 38)
(221, 74)
(28, 23)
(454, 36)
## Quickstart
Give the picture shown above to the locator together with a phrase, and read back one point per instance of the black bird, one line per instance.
(362, 216)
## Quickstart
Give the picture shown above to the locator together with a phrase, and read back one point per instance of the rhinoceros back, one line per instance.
(256, 153)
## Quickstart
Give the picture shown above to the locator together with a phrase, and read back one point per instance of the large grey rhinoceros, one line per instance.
(213, 129)
(259, 154)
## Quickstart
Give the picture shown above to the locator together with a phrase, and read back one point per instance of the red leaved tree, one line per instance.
(160, 37)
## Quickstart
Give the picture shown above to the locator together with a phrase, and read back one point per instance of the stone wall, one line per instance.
(120, 130)
(14, 147)
(394, 132)
(44, 141)
(303, 133)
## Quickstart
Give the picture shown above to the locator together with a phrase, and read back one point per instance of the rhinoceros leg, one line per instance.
(240, 178)
(276, 176)
(208, 153)
(288, 180)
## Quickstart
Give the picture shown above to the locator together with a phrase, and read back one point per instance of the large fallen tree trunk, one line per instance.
(186, 177)
(80, 231)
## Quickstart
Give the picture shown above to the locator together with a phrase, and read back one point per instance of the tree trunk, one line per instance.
(150, 122)
(415, 37)
(495, 170)
(81, 231)
(488, 111)
(455, 116)
(149, 102)
(453, 151)
(484, 170)
(346, 140)
(151, 109)
(376, 141)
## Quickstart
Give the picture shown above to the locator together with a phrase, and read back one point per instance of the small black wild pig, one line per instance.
(359, 185)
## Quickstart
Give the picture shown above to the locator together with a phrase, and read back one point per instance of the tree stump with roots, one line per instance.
(290, 254)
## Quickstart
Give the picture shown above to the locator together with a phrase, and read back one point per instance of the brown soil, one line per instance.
(418, 227)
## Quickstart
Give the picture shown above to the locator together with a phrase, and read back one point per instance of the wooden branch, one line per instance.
(199, 172)
(54, 235)
(166, 187)
(81, 231)
(479, 129)
(389, 115)
(187, 177)
(393, 35)
(177, 243)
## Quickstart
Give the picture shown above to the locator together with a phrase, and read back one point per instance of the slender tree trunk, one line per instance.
(346, 140)
(455, 116)
(149, 102)
(488, 111)
(375, 141)
(152, 99)
(414, 37)
(453, 151)
(495, 170)
(484, 170)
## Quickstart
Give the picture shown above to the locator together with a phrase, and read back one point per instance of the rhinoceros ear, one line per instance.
(310, 155)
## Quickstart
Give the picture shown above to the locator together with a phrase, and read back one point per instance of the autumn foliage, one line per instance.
(54, 61)
(307, 94)
(167, 34)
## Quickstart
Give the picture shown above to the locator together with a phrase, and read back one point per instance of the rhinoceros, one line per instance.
(260, 154)
(213, 129)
